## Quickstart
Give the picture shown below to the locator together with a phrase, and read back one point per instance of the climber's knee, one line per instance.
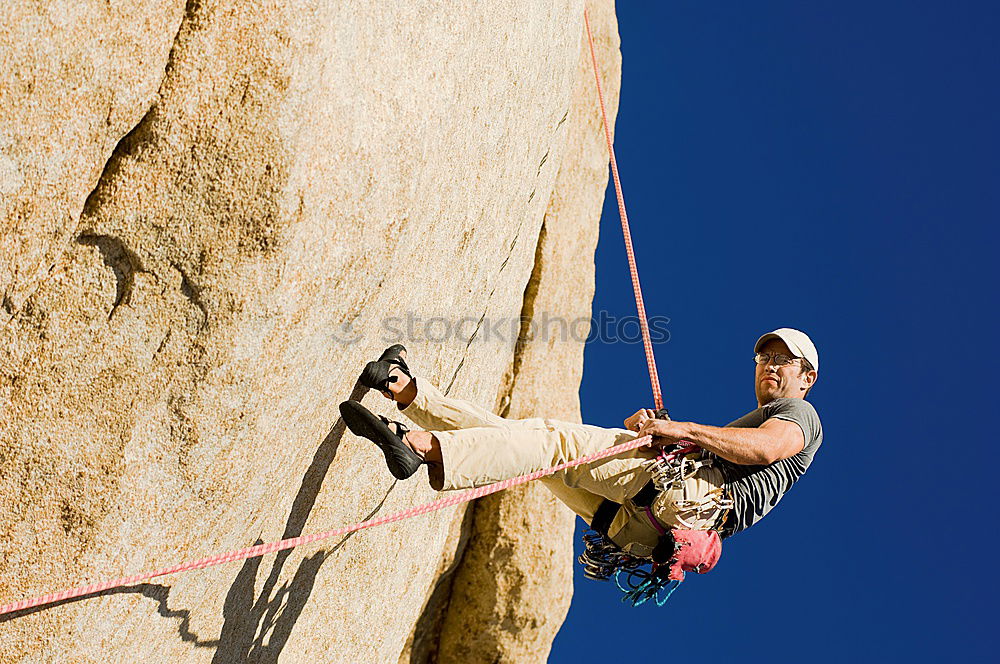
(435, 475)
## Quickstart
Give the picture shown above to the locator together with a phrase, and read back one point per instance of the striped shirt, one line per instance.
(756, 489)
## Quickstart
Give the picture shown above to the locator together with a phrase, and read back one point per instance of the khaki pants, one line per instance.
(480, 448)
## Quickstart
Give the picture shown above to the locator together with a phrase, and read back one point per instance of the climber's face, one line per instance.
(779, 373)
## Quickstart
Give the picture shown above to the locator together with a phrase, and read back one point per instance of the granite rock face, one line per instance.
(514, 587)
(211, 214)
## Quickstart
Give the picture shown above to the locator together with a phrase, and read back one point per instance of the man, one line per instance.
(752, 462)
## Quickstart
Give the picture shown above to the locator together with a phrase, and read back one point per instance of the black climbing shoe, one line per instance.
(402, 461)
(376, 374)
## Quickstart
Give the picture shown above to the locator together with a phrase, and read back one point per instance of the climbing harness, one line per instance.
(678, 550)
(671, 470)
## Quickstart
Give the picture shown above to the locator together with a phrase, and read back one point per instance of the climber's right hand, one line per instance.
(635, 422)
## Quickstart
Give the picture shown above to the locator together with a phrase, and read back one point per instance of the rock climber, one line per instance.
(739, 474)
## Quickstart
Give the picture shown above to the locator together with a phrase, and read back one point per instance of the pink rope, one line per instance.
(647, 343)
(262, 549)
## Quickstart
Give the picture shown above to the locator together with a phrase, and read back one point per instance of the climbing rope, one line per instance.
(262, 549)
(641, 591)
(602, 555)
(647, 343)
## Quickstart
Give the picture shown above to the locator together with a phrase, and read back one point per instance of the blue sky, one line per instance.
(830, 166)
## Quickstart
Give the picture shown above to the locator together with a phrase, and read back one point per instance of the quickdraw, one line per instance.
(603, 560)
(642, 579)
(671, 470)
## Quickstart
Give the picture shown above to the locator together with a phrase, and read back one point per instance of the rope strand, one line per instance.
(273, 547)
(647, 343)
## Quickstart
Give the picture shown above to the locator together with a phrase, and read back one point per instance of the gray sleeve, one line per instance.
(802, 413)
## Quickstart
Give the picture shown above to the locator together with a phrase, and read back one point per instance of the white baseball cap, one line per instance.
(798, 342)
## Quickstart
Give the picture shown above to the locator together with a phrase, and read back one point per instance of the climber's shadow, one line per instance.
(153, 591)
(257, 625)
(251, 618)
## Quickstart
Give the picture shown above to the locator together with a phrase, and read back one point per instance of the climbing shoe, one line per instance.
(388, 435)
(376, 374)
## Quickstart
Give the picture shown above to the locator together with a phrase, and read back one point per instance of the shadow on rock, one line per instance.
(153, 591)
(252, 617)
(249, 617)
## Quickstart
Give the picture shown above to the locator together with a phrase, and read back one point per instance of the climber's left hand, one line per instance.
(664, 432)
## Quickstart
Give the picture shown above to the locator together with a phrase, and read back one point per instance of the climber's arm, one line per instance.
(772, 441)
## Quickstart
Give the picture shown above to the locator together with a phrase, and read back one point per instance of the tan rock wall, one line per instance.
(268, 183)
(75, 76)
(514, 586)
